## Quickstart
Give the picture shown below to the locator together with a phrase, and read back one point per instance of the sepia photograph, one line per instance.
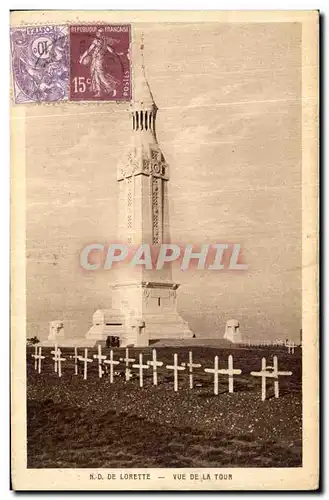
(164, 250)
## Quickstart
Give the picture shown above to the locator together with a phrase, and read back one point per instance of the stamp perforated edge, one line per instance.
(86, 102)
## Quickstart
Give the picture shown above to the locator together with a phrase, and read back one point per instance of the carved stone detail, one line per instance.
(146, 295)
(156, 168)
(146, 166)
(155, 209)
(158, 163)
(132, 163)
(129, 204)
(147, 162)
(156, 155)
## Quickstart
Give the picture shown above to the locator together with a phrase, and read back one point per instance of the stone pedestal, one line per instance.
(56, 331)
(142, 312)
(232, 331)
(56, 336)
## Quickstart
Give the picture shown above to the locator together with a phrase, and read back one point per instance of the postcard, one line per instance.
(164, 250)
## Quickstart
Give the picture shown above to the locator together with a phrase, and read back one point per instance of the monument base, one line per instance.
(142, 312)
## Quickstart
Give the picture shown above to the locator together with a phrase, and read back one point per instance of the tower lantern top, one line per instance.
(143, 97)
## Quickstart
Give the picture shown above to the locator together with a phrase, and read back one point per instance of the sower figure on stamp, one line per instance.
(101, 80)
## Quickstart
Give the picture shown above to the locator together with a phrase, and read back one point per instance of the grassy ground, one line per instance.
(92, 423)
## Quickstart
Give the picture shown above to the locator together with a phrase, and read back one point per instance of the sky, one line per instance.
(229, 125)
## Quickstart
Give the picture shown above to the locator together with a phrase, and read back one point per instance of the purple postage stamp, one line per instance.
(100, 62)
(40, 63)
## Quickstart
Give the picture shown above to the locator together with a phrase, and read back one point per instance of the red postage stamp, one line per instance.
(100, 67)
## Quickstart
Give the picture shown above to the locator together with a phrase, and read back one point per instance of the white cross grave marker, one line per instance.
(263, 373)
(176, 368)
(291, 347)
(111, 362)
(39, 357)
(215, 371)
(230, 372)
(35, 356)
(274, 373)
(154, 363)
(54, 352)
(141, 368)
(59, 361)
(76, 357)
(55, 358)
(85, 360)
(100, 360)
(127, 360)
(190, 366)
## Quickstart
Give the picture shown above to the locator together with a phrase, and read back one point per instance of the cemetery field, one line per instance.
(75, 423)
